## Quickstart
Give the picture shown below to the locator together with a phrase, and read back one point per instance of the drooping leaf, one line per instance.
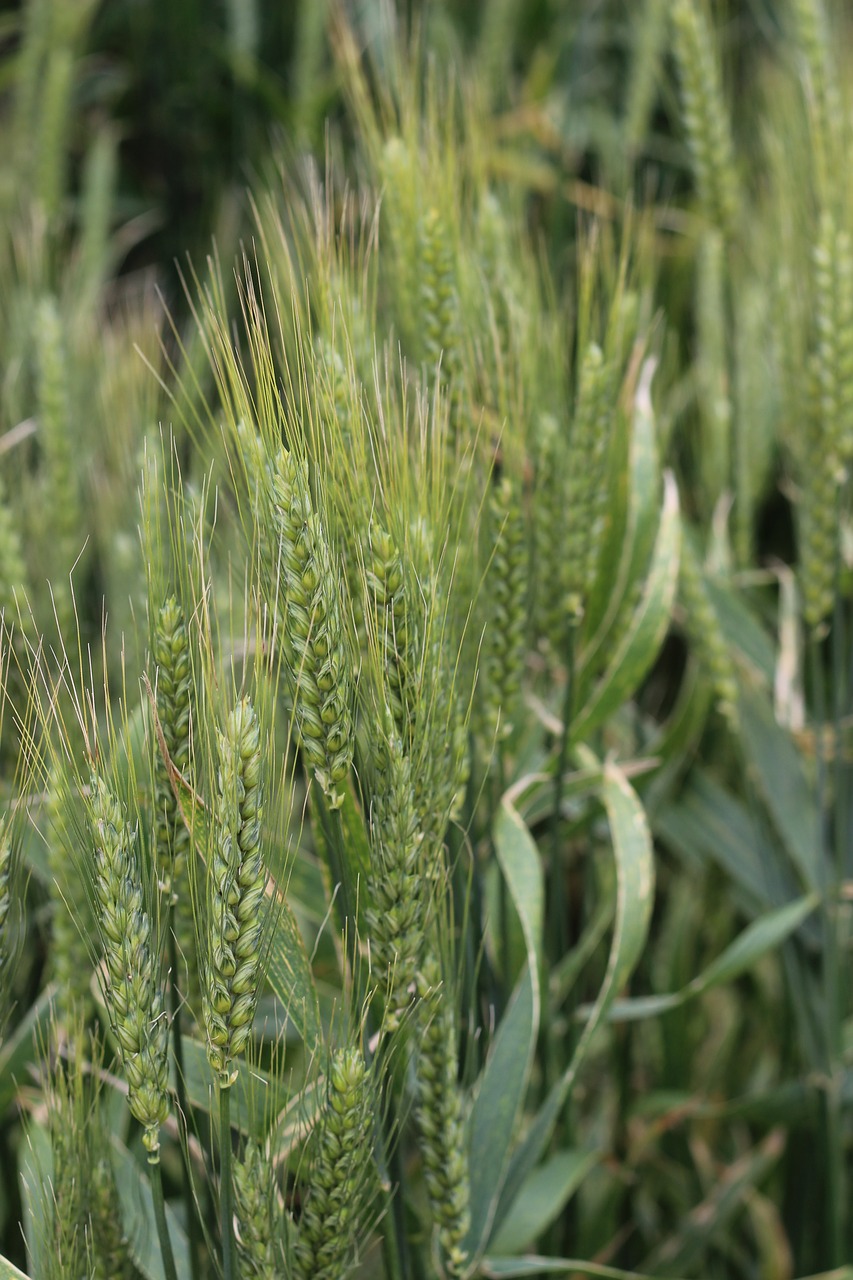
(789, 798)
(256, 1097)
(9, 1272)
(758, 938)
(522, 869)
(542, 1198)
(497, 1105)
(22, 1046)
(503, 1084)
(624, 562)
(36, 1179)
(504, 1268)
(639, 646)
(713, 1215)
(289, 974)
(137, 1213)
(635, 875)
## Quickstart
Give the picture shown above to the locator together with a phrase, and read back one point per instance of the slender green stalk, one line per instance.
(833, 1130)
(160, 1218)
(226, 1190)
(183, 1110)
(557, 897)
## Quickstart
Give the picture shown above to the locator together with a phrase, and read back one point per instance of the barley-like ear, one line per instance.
(256, 1211)
(110, 1244)
(172, 838)
(438, 301)
(57, 435)
(339, 1173)
(397, 915)
(386, 586)
(827, 431)
(86, 1234)
(586, 498)
(712, 368)
(13, 574)
(824, 100)
(132, 989)
(7, 906)
(833, 292)
(706, 120)
(399, 217)
(817, 514)
(502, 655)
(705, 632)
(72, 923)
(315, 642)
(236, 905)
(441, 1119)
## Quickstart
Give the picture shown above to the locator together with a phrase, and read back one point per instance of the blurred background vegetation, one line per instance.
(130, 134)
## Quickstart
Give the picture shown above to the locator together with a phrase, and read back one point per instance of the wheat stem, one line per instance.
(226, 1193)
(160, 1218)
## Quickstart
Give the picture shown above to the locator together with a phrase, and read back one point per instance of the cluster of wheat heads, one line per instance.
(296, 888)
(335, 841)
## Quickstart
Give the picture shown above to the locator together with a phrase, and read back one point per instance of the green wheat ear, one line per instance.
(132, 989)
(397, 888)
(173, 841)
(256, 1209)
(339, 1172)
(72, 917)
(316, 645)
(504, 642)
(706, 633)
(704, 112)
(441, 1119)
(5, 910)
(237, 902)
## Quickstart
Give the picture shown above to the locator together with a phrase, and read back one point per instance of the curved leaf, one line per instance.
(641, 642)
(635, 875)
(289, 974)
(542, 1198)
(617, 580)
(9, 1272)
(137, 1213)
(503, 1084)
(762, 935)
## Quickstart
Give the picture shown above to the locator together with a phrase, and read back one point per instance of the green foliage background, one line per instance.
(552, 307)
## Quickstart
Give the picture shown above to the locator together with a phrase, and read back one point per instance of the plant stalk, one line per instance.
(183, 1108)
(226, 1194)
(160, 1218)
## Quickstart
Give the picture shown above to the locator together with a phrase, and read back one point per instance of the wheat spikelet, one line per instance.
(339, 1172)
(236, 905)
(172, 839)
(256, 1212)
(132, 991)
(441, 1119)
(712, 368)
(706, 121)
(502, 655)
(812, 38)
(72, 923)
(57, 427)
(438, 302)
(706, 633)
(386, 588)
(833, 363)
(398, 910)
(12, 571)
(315, 642)
(400, 218)
(586, 481)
